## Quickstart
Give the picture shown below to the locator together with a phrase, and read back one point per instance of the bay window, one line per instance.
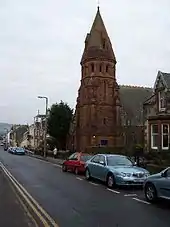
(165, 136)
(154, 136)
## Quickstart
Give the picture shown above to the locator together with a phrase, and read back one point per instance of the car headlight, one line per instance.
(125, 174)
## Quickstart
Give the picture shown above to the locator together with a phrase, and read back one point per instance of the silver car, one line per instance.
(158, 186)
(115, 170)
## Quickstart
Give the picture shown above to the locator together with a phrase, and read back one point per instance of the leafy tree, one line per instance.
(60, 116)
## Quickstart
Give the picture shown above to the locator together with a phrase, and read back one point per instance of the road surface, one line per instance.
(72, 201)
(12, 211)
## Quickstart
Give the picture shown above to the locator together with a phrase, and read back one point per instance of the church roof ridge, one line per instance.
(134, 86)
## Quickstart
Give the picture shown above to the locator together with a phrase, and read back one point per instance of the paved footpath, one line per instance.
(12, 213)
(48, 159)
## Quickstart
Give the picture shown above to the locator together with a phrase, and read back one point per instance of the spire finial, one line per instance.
(98, 4)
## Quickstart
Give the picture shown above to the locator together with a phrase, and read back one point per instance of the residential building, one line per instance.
(39, 124)
(157, 115)
(16, 134)
(28, 137)
(24, 142)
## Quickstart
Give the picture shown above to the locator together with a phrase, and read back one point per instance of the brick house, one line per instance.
(157, 115)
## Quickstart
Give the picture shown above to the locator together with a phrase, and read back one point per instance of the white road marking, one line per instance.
(141, 201)
(111, 190)
(56, 165)
(78, 178)
(128, 195)
(93, 183)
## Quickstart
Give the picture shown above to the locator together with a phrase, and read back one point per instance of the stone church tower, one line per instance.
(97, 116)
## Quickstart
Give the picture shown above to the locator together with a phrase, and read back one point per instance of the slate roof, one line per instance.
(166, 77)
(132, 99)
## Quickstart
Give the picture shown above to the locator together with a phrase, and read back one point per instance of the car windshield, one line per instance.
(20, 149)
(118, 161)
(84, 158)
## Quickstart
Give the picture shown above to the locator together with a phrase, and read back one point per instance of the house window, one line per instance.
(165, 136)
(154, 136)
(161, 97)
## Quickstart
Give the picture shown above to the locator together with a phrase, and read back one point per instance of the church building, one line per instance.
(98, 116)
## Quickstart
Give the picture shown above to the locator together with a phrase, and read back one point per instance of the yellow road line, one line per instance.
(27, 200)
(35, 202)
(25, 208)
(30, 200)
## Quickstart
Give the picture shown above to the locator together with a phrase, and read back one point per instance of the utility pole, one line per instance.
(45, 127)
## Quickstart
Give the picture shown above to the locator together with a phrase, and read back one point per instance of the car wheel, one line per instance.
(150, 192)
(76, 171)
(64, 168)
(110, 181)
(87, 174)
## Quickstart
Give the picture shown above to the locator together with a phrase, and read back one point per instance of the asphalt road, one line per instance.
(12, 213)
(72, 201)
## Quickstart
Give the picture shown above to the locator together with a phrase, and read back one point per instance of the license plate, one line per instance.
(139, 180)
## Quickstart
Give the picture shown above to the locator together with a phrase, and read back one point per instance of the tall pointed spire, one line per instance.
(98, 41)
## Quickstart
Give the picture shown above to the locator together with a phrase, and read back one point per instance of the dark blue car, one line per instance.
(16, 150)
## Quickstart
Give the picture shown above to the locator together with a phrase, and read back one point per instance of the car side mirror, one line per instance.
(102, 163)
(163, 174)
(135, 164)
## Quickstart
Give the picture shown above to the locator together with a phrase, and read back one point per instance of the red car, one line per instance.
(76, 163)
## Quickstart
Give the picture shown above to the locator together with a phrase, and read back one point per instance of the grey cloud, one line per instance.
(42, 42)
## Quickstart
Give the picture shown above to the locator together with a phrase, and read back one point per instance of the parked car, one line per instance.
(158, 186)
(10, 150)
(16, 150)
(115, 170)
(76, 163)
(19, 150)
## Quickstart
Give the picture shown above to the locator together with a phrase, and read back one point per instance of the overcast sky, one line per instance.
(41, 43)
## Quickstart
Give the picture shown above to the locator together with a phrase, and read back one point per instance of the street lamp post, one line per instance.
(45, 128)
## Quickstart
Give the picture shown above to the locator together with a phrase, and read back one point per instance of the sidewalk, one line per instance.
(11, 211)
(48, 159)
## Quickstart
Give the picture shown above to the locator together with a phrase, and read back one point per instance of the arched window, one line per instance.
(104, 43)
(100, 68)
(107, 68)
(92, 67)
(104, 90)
